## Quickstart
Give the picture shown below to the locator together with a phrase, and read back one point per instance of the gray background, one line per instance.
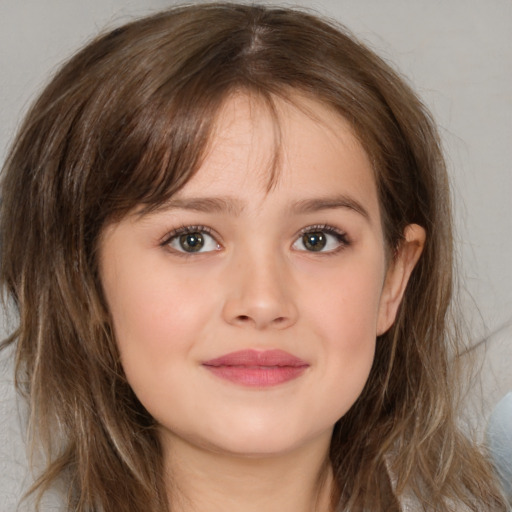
(456, 53)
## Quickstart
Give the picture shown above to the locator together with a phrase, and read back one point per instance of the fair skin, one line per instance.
(300, 269)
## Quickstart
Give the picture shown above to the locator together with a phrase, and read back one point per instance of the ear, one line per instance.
(399, 270)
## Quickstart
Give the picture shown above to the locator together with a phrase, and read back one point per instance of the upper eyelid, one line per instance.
(173, 233)
(322, 227)
(319, 227)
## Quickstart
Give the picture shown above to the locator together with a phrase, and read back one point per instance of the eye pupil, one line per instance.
(314, 241)
(192, 242)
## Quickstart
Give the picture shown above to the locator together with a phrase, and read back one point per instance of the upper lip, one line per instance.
(257, 358)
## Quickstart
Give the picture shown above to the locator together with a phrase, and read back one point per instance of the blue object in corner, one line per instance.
(499, 439)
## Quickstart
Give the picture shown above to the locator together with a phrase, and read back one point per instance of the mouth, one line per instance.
(255, 368)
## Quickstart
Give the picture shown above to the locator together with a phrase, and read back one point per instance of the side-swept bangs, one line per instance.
(127, 120)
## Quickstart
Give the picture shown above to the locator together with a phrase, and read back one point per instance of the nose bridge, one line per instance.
(260, 291)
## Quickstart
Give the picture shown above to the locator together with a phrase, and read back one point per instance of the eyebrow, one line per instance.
(205, 205)
(234, 207)
(330, 203)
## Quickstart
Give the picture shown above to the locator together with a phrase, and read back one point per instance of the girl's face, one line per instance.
(246, 319)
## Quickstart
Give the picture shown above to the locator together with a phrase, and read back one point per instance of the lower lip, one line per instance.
(257, 376)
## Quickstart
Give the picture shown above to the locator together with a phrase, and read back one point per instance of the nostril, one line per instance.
(246, 318)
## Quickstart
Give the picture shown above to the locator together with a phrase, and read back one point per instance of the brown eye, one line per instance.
(321, 239)
(315, 241)
(191, 242)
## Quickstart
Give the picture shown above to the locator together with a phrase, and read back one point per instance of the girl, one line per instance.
(226, 230)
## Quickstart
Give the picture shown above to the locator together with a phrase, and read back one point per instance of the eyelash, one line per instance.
(340, 236)
(183, 230)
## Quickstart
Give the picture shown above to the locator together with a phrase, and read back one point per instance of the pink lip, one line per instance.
(257, 368)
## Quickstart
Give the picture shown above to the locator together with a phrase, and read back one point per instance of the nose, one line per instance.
(259, 294)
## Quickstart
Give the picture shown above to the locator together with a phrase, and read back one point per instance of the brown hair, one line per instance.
(126, 122)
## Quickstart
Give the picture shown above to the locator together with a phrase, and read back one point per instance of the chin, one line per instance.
(258, 441)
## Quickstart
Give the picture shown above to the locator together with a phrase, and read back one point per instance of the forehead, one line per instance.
(286, 150)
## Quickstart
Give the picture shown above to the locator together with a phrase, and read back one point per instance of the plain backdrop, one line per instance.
(456, 53)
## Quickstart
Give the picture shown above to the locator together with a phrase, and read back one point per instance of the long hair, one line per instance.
(126, 122)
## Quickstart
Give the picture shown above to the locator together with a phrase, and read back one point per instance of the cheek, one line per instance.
(345, 301)
(155, 323)
(344, 316)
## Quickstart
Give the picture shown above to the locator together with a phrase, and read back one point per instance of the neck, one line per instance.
(207, 481)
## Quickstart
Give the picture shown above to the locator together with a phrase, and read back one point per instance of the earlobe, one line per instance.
(399, 270)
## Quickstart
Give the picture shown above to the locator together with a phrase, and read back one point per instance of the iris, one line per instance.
(314, 241)
(192, 242)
